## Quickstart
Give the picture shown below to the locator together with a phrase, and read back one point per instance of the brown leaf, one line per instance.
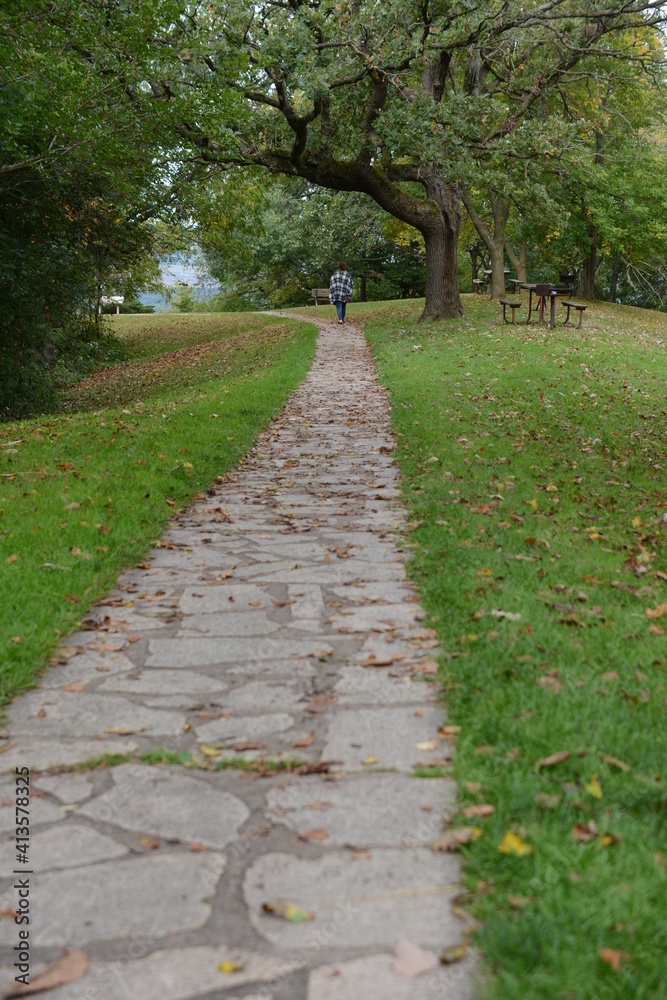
(657, 612)
(612, 957)
(319, 703)
(411, 960)
(610, 675)
(288, 911)
(451, 840)
(615, 762)
(317, 834)
(481, 810)
(450, 955)
(149, 843)
(72, 966)
(250, 745)
(74, 687)
(547, 801)
(555, 758)
(305, 742)
(378, 661)
(517, 902)
(582, 834)
(196, 848)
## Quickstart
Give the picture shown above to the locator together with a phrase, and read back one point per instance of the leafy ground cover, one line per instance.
(85, 493)
(534, 468)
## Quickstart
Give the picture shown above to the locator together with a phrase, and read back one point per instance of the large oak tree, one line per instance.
(390, 99)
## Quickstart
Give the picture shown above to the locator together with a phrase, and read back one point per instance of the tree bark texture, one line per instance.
(494, 243)
(519, 263)
(613, 281)
(589, 266)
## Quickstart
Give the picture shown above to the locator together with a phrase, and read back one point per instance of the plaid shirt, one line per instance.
(340, 286)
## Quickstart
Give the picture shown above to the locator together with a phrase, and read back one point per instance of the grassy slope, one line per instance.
(547, 500)
(83, 495)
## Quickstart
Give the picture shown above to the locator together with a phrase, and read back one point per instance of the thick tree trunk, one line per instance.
(501, 212)
(441, 236)
(589, 266)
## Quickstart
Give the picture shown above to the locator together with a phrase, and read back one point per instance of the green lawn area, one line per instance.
(535, 466)
(83, 494)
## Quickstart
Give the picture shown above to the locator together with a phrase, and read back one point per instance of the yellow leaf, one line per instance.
(371, 760)
(594, 787)
(209, 751)
(288, 911)
(636, 522)
(512, 843)
(228, 967)
(551, 488)
(427, 745)
(533, 503)
(594, 535)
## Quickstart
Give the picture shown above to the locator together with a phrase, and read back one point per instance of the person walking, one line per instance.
(340, 289)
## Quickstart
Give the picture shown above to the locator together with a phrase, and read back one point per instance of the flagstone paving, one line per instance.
(273, 623)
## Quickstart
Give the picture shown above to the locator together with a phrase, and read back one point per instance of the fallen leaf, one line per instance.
(547, 801)
(449, 731)
(610, 675)
(250, 745)
(427, 745)
(287, 911)
(657, 612)
(125, 730)
(450, 955)
(615, 762)
(196, 848)
(612, 957)
(511, 616)
(656, 630)
(11, 559)
(378, 661)
(371, 760)
(209, 751)
(481, 810)
(512, 843)
(411, 960)
(306, 741)
(74, 687)
(229, 967)
(72, 966)
(317, 834)
(518, 902)
(555, 758)
(594, 787)
(149, 843)
(582, 834)
(451, 840)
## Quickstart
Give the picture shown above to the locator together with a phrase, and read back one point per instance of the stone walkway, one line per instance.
(273, 623)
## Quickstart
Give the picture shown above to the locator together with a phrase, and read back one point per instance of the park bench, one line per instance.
(579, 306)
(478, 286)
(513, 306)
(320, 295)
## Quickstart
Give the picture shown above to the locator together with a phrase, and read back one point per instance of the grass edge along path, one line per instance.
(85, 495)
(533, 467)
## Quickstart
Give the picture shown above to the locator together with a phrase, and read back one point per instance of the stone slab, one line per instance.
(389, 734)
(376, 686)
(42, 754)
(68, 845)
(249, 727)
(374, 978)
(207, 652)
(372, 901)
(86, 714)
(170, 804)
(66, 787)
(398, 811)
(164, 682)
(176, 974)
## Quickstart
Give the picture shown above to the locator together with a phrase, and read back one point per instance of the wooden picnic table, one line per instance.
(544, 292)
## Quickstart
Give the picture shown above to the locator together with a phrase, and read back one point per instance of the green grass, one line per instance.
(534, 467)
(84, 494)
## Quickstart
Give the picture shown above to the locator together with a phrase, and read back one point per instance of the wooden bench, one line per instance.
(513, 306)
(478, 286)
(321, 294)
(579, 306)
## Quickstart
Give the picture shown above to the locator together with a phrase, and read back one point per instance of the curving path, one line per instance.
(274, 622)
